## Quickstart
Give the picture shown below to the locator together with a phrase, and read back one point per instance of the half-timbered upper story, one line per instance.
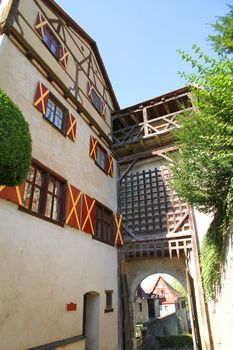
(65, 54)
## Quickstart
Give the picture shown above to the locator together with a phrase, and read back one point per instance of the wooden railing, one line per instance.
(157, 248)
(146, 129)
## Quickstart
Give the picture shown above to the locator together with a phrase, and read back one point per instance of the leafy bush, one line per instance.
(203, 168)
(15, 143)
(174, 341)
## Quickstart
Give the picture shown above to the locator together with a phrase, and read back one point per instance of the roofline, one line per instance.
(155, 99)
(169, 287)
(70, 22)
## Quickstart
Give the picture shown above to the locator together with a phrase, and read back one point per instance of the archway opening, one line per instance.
(161, 306)
(91, 314)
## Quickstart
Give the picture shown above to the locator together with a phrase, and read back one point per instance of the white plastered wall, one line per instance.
(43, 266)
(69, 159)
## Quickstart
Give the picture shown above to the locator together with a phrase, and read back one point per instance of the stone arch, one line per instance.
(137, 270)
(140, 269)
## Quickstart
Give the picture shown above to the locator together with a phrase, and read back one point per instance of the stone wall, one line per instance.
(221, 311)
(168, 325)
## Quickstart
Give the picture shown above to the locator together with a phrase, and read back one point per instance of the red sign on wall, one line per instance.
(71, 307)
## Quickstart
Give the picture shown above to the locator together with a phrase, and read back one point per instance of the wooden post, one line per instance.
(145, 125)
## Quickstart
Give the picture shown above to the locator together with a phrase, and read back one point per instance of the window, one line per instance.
(51, 41)
(44, 194)
(101, 157)
(109, 307)
(96, 100)
(56, 114)
(103, 224)
(139, 307)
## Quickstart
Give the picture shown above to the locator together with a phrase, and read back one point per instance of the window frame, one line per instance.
(139, 307)
(108, 305)
(42, 202)
(101, 149)
(65, 112)
(93, 96)
(103, 223)
(54, 37)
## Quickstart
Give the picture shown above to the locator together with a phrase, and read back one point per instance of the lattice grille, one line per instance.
(149, 205)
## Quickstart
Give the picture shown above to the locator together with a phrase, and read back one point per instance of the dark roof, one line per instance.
(154, 100)
(140, 293)
(70, 22)
(176, 294)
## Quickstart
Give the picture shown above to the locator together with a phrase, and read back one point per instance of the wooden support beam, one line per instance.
(135, 119)
(127, 170)
(145, 124)
(140, 108)
(180, 221)
(167, 108)
(125, 227)
(166, 157)
(147, 154)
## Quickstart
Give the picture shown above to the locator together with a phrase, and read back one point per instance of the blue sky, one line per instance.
(138, 40)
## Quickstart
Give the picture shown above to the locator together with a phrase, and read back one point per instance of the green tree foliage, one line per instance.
(179, 288)
(15, 143)
(223, 40)
(175, 341)
(203, 168)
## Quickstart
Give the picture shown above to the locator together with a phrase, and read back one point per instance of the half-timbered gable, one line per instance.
(68, 57)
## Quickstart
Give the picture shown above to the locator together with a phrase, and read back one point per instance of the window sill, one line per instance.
(25, 210)
(101, 168)
(57, 58)
(103, 241)
(52, 53)
(55, 127)
(101, 115)
(108, 310)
